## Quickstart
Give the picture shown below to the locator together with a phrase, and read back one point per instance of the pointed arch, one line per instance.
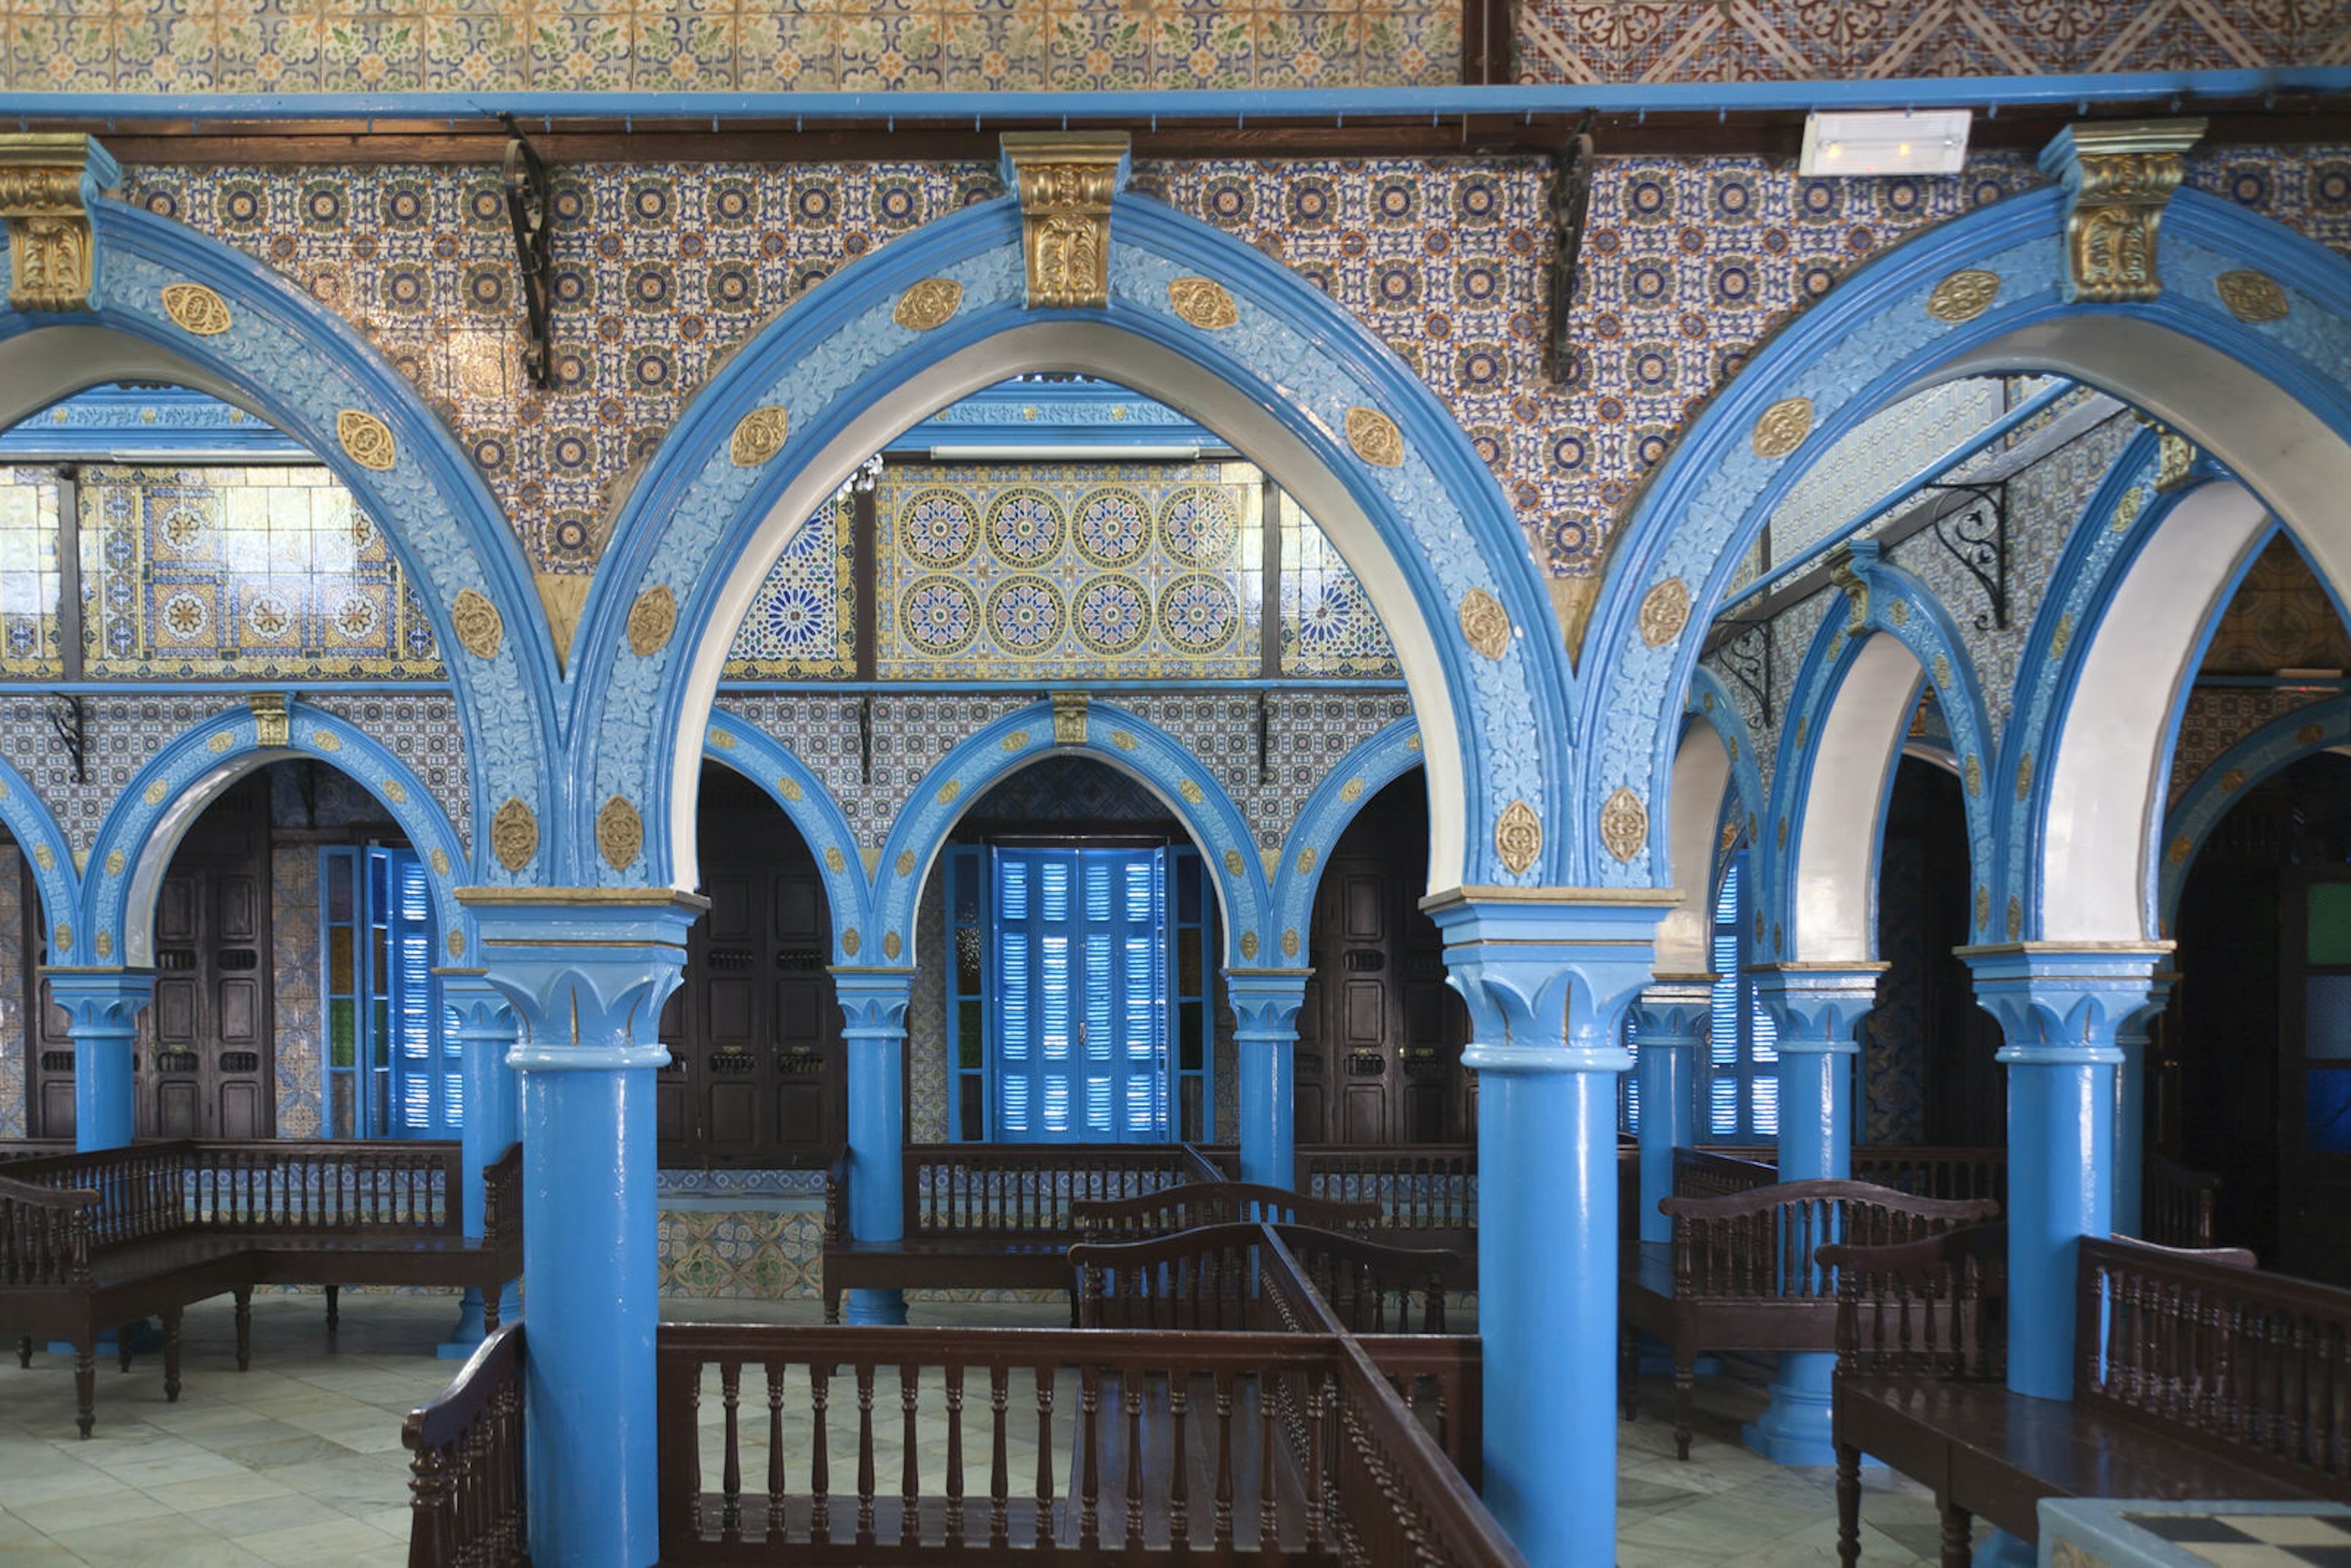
(733, 741)
(143, 829)
(1135, 746)
(2269, 750)
(1318, 402)
(1362, 773)
(35, 827)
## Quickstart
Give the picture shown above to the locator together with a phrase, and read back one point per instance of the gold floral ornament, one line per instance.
(1290, 943)
(1623, 825)
(892, 945)
(477, 623)
(114, 861)
(395, 791)
(2176, 853)
(2118, 175)
(1191, 791)
(834, 861)
(950, 790)
(1306, 860)
(1975, 775)
(195, 309)
(1232, 862)
(440, 859)
(47, 182)
(325, 740)
(1782, 428)
(158, 791)
(2063, 636)
(1350, 791)
(850, 941)
(930, 303)
(788, 786)
(1069, 718)
(514, 835)
(1518, 837)
(2024, 777)
(1122, 741)
(1015, 741)
(721, 740)
(456, 944)
(105, 943)
(1984, 907)
(46, 858)
(906, 862)
(2232, 780)
(651, 618)
(620, 833)
(758, 437)
(65, 937)
(366, 439)
(221, 742)
(2015, 917)
(1376, 438)
(1248, 943)
(1204, 302)
(1963, 295)
(1066, 183)
(2253, 297)
(1485, 624)
(2309, 733)
(1665, 610)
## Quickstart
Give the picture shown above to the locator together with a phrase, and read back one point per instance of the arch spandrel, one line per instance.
(1344, 792)
(737, 742)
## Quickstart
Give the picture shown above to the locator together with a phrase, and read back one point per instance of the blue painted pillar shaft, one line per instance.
(1669, 1024)
(486, 1031)
(2130, 1113)
(587, 971)
(101, 1008)
(1548, 976)
(1265, 1041)
(873, 1034)
(2060, 1009)
(1816, 1009)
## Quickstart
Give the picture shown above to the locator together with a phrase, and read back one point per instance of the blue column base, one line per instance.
(146, 1339)
(2001, 1550)
(876, 1308)
(466, 1334)
(1794, 1428)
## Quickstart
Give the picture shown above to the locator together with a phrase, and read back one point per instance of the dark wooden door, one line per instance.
(1380, 1035)
(754, 1033)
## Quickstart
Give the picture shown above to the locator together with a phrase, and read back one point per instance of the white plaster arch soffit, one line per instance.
(1186, 786)
(1702, 790)
(142, 829)
(1421, 521)
(2264, 398)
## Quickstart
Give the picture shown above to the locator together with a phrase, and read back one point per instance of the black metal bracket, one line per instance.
(1975, 534)
(1570, 200)
(1747, 659)
(865, 738)
(1264, 739)
(69, 721)
(530, 209)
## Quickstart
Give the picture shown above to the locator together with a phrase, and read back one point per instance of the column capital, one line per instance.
(2133, 1030)
(1674, 1009)
(873, 998)
(1266, 1002)
(482, 1008)
(1549, 971)
(585, 968)
(99, 1001)
(1818, 1006)
(2064, 1001)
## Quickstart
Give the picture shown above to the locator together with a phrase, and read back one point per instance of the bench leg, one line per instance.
(334, 1308)
(245, 1328)
(24, 1350)
(122, 1345)
(832, 1303)
(1683, 1384)
(1958, 1536)
(171, 1356)
(1628, 1370)
(1848, 1500)
(85, 1384)
(490, 1310)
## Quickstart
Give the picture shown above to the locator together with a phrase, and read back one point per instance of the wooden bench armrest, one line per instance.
(39, 1196)
(502, 1195)
(1195, 1204)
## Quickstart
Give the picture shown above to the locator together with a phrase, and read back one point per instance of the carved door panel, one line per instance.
(204, 1040)
(754, 1033)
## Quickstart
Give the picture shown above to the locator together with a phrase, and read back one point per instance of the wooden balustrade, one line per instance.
(2179, 1207)
(466, 1479)
(45, 1235)
(153, 1189)
(1701, 1173)
(1429, 1188)
(1934, 1172)
(995, 1191)
(1073, 1444)
(1259, 1276)
(1199, 1203)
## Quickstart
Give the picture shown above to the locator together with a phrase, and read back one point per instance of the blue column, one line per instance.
(101, 1008)
(486, 1030)
(586, 971)
(1265, 1042)
(1669, 1023)
(1815, 1009)
(2060, 1007)
(2130, 1109)
(873, 1031)
(1548, 974)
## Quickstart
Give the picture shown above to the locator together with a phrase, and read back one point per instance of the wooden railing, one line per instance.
(159, 1189)
(1926, 1307)
(1758, 1246)
(2179, 1207)
(45, 1235)
(1699, 1173)
(1015, 1191)
(1199, 1203)
(1227, 1276)
(1931, 1172)
(1284, 1446)
(1418, 1187)
(466, 1480)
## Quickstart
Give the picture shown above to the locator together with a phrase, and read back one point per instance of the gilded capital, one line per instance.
(1066, 182)
(48, 182)
(2118, 177)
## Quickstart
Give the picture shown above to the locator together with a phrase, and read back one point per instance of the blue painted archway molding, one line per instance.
(1370, 768)
(2266, 398)
(1711, 703)
(733, 741)
(288, 359)
(2276, 746)
(1134, 746)
(1421, 524)
(144, 827)
(34, 826)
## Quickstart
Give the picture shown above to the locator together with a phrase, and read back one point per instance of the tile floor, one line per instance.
(299, 1461)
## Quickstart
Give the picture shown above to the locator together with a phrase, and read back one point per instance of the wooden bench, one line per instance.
(2196, 1376)
(1737, 1276)
(1220, 1277)
(990, 1216)
(1199, 1203)
(91, 1242)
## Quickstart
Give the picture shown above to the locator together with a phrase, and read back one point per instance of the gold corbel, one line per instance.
(2118, 177)
(47, 185)
(1066, 183)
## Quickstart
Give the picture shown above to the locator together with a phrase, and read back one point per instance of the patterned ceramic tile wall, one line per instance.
(2217, 717)
(12, 992)
(1328, 626)
(731, 46)
(927, 1019)
(267, 573)
(750, 1253)
(2281, 619)
(802, 623)
(1701, 40)
(421, 728)
(294, 980)
(1309, 733)
(28, 573)
(1895, 1033)
(910, 734)
(123, 734)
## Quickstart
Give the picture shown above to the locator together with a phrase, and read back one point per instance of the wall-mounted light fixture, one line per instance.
(1886, 141)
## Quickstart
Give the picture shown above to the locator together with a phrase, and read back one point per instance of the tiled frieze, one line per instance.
(2218, 717)
(909, 735)
(802, 623)
(421, 729)
(1702, 41)
(762, 1253)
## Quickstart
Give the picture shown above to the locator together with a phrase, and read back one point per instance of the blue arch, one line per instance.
(35, 828)
(2285, 740)
(1371, 767)
(733, 741)
(841, 366)
(300, 366)
(192, 770)
(1711, 703)
(1135, 746)
(1869, 342)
